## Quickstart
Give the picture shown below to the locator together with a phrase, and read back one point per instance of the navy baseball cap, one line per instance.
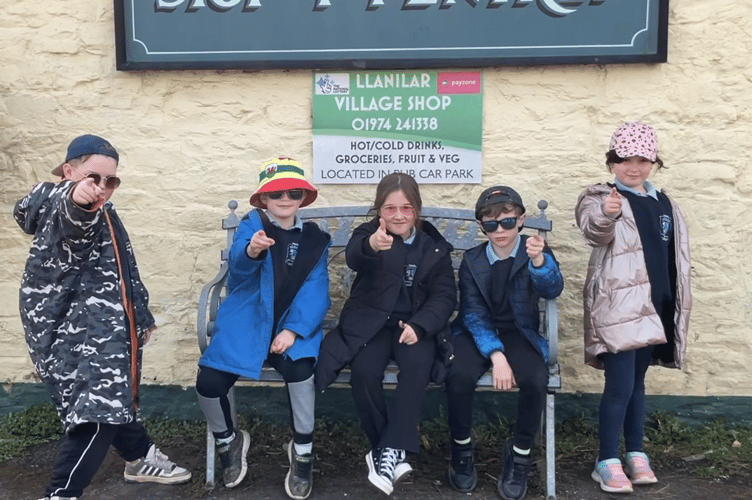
(87, 145)
(495, 195)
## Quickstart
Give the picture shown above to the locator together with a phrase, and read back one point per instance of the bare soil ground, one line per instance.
(341, 474)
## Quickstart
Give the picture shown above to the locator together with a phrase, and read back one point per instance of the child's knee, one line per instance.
(536, 383)
(460, 381)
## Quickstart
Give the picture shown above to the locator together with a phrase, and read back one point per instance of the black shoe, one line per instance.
(512, 483)
(299, 480)
(232, 456)
(462, 474)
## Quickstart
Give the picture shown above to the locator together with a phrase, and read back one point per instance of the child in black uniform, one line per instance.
(500, 283)
(402, 297)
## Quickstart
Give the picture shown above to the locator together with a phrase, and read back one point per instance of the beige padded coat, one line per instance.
(618, 312)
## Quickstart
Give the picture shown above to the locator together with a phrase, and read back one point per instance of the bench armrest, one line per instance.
(208, 302)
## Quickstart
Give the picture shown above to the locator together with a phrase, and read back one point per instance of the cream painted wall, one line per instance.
(191, 140)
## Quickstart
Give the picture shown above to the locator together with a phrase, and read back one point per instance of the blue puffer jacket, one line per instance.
(243, 329)
(526, 284)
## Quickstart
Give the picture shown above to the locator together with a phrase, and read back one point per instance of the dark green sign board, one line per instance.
(369, 34)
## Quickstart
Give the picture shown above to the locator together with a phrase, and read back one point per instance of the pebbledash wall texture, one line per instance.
(190, 141)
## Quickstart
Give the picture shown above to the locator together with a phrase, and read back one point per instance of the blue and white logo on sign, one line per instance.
(332, 83)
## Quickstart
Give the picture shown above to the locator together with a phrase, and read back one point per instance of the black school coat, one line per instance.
(379, 279)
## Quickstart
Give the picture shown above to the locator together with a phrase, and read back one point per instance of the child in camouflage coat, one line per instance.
(85, 314)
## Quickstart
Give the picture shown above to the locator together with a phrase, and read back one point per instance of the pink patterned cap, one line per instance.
(635, 139)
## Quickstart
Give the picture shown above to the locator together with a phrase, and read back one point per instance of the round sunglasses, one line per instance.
(110, 182)
(293, 194)
(489, 226)
(391, 210)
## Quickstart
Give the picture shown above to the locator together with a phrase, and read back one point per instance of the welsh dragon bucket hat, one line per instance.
(282, 174)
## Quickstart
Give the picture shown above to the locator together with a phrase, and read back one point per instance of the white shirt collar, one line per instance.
(649, 189)
(493, 256)
(297, 225)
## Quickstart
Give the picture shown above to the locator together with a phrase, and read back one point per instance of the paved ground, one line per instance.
(23, 478)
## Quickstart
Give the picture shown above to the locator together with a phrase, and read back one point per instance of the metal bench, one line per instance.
(459, 228)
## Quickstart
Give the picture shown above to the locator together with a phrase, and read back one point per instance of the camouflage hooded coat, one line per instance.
(72, 306)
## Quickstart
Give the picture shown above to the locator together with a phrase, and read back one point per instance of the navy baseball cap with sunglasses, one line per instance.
(86, 144)
(494, 196)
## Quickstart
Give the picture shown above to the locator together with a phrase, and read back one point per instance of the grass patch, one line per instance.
(713, 450)
(717, 448)
(36, 424)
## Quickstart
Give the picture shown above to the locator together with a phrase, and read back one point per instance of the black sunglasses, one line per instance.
(293, 194)
(110, 182)
(489, 226)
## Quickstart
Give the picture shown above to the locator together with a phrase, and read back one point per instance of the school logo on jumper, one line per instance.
(410, 274)
(292, 252)
(665, 221)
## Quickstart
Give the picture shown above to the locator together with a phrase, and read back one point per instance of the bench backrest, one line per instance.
(458, 226)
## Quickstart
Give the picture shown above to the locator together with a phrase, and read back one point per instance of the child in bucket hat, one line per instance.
(637, 297)
(277, 297)
(282, 174)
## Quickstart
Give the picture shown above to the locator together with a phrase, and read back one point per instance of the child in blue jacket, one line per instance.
(278, 295)
(500, 283)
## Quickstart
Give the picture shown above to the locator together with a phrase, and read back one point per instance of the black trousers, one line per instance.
(469, 365)
(83, 450)
(396, 426)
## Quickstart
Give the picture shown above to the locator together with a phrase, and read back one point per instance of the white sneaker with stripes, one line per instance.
(155, 467)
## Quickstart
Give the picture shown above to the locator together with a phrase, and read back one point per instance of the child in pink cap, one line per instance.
(637, 296)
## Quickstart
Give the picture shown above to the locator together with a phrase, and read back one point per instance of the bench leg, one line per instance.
(550, 448)
(210, 458)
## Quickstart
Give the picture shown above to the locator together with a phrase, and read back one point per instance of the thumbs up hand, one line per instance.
(259, 242)
(612, 203)
(381, 240)
(534, 246)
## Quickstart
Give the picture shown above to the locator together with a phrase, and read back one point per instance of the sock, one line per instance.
(303, 449)
(462, 441)
(225, 440)
(302, 397)
(151, 451)
(518, 451)
(218, 419)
